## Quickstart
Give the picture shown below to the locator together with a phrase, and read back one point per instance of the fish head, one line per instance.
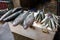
(25, 26)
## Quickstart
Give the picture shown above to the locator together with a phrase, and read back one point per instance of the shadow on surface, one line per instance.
(20, 37)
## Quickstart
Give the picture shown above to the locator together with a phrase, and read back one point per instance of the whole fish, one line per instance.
(28, 21)
(44, 19)
(6, 14)
(55, 19)
(13, 16)
(53, 25)
(42, 13)
(50, 24)
(40, 16)
(20, 18)
(37, 17)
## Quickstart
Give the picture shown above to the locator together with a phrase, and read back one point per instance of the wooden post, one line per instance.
(16, 3)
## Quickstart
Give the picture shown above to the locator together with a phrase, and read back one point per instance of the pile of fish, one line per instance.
(19, 16)
(40, 15)
(47, 20)
(26, 18)
(50, 21)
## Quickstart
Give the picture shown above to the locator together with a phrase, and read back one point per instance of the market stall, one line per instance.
(38, 22)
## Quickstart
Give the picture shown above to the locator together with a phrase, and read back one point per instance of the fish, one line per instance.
(13, 16)
(45, 24)
(28, 21)
(36, 13)
(37, 17)
(55, 20)
(50, 24)
(20, 18)
(42, 13)
(44, 19)
(16, 9)
(50, 20)
(40, 16)
(6, 14)
(2, 12)
(53, 25)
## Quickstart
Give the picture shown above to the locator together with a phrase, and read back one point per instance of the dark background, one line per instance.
(57, 35)
(32, 3)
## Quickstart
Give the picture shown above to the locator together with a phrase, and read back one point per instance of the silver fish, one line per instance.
(52, 22)
(6, 14)
(28, 21)
(40, 16)
(45, 26)
(41, 12)
(14, 15)
(37, 17)
(45, 22)
(55, 20)
(44, 19)
(16, 9)
(20, 18)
